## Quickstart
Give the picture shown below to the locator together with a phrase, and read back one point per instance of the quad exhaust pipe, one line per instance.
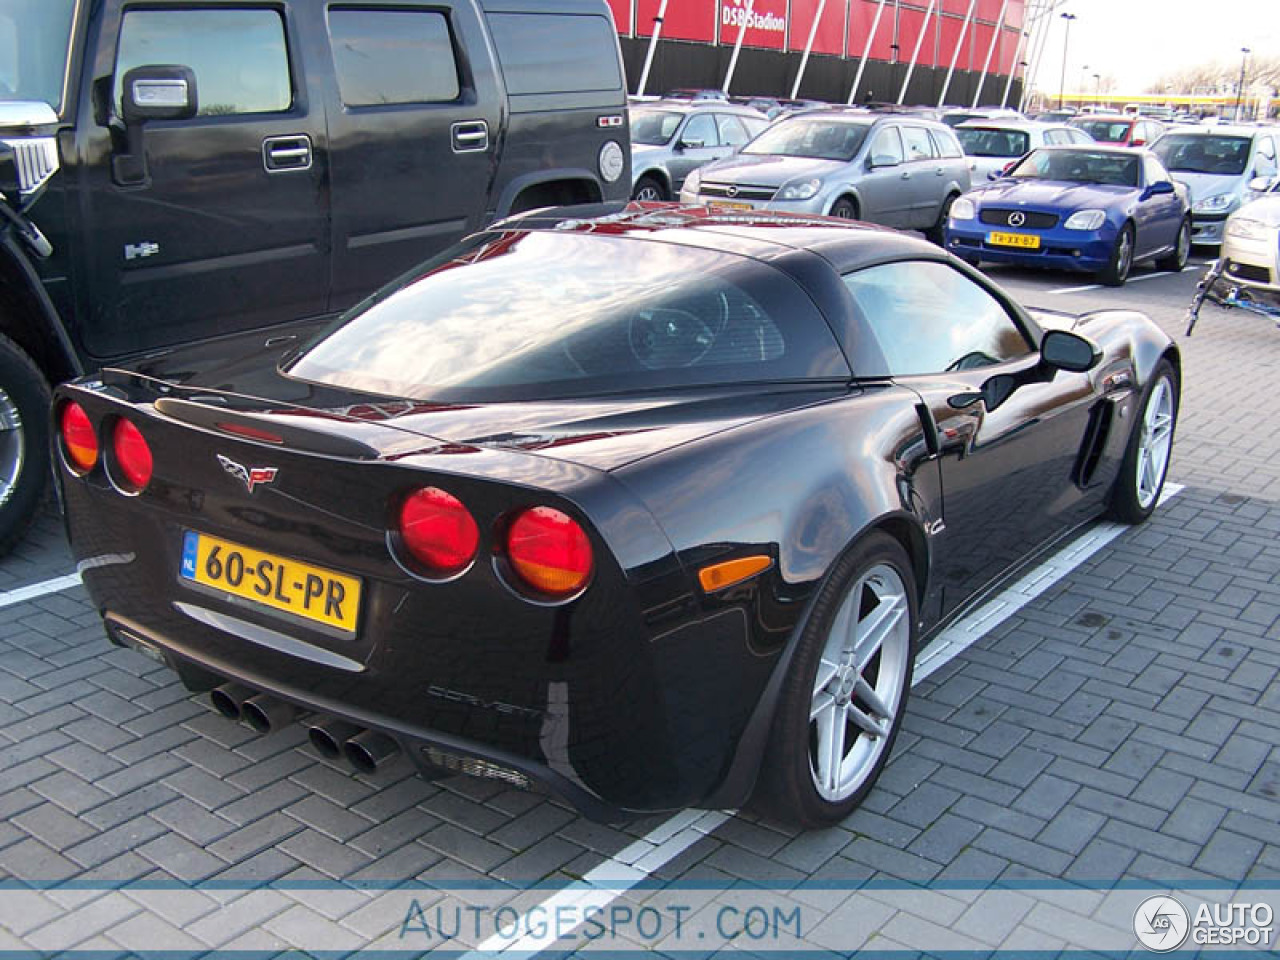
(365, 750)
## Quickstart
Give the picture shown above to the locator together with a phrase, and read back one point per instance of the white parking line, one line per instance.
(33, 590)
(1087, 286)
(1145, 276)
(660, 846)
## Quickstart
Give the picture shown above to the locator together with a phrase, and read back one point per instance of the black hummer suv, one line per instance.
(173, 170)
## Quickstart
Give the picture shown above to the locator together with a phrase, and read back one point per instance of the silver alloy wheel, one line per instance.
(1124, 254)
(648, 193)
(1154, 442)
(11, 447)
(1184, 244)
(859, 686)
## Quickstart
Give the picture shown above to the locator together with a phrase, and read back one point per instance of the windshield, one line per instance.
(1105, 131)
(653, 127)
(1203, 154)
(993, 142)
(1079, 166)
(554, 314)
(35, 36)
(818, 137)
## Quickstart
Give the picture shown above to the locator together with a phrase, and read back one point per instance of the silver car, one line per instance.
(670, 138)
(991, 145)
(1217, 163)
(893, 169)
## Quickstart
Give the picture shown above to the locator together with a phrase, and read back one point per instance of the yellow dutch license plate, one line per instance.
(730, 205)
(1029, 241)
(291, 586)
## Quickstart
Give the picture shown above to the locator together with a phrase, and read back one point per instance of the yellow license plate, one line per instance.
(306, 591)
(730, 205)
(1030, 241)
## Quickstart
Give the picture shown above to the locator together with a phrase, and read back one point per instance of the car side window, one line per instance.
(732, 132)
(1155, 170)
(945, 144)
(701, 129)
(928, 317)
(919, 146)
(238, 56)
(392, 56)
(886, 147)
(1081, 137)
(1055, 137)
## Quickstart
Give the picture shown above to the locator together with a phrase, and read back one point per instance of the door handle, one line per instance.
(469, 136)
(906, 174)
(940, 172)
(292, 152)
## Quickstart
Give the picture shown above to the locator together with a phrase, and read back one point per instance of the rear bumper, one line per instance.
(1060, 249)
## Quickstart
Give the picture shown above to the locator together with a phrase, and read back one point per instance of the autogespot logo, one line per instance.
(1161, 924)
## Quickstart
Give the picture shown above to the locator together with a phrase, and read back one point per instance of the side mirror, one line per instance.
(1159, 188)
(1064, 350)
(1139, 142)
(1262, 184)
(159, 93)
(883, 160)
(691, 144)
(153, 92)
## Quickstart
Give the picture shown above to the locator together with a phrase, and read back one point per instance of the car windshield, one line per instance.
(1080, 166)
(993, 142)
(654, 127)
(1198, 153)
(1105, 131)
(35, 37)
(567, 313)
(817, 137)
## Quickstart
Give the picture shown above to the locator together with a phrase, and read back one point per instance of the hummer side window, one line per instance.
(239, 57)
(392, 56)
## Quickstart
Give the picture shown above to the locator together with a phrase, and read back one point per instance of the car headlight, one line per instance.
(963, 209)
(1246, 229)
(1086, 220)
(692, 182)
(799, 190)
(1218, 203)
(612, 161)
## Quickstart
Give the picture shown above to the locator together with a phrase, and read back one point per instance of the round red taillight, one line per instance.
(78, 439)
(438, 531)
(549, 551)
(133, 456)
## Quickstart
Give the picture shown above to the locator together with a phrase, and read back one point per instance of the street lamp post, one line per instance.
(1097, 89)
(1084, 74)
(1244, 59)
(1066, 36)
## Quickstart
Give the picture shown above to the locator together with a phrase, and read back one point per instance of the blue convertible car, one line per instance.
(1096, 209)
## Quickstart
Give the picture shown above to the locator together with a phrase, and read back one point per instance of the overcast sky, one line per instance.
(1138, 41)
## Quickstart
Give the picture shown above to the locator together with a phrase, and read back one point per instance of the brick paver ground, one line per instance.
(1124, 725)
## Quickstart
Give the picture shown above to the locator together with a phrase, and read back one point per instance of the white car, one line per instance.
(1251, 242)
(991, 145)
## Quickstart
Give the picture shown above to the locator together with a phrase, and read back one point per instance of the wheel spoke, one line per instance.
(873, 630)
(864, 722)
(841, 637)
(831, 747)
(867, 694)
(821, 703)
(827, 670)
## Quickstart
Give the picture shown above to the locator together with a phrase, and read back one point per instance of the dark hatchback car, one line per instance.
(671, 533)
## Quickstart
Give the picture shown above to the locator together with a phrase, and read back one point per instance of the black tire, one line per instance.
(937, 234)
(845, 208)
(24, 442)
(787, 788)
(649, 188)
(1128, 502)
(1116, 272)
(1176, 262)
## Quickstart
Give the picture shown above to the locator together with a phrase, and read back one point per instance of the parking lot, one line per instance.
(1120, 725)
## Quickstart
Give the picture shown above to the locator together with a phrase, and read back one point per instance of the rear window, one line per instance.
(1200, 153)
(561, 314)
(993, 142)
(1105, 131)
(556, 53)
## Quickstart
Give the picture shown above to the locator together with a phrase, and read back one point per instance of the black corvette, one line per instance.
(652, 507)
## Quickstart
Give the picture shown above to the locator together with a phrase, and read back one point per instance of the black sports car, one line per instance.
(650, 506)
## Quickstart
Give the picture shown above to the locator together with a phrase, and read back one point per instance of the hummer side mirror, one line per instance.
(152, 92)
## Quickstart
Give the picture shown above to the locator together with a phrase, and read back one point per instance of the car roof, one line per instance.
(1000, 123)
(1109, 117)
(699, 106)
(759, 234)
(1096, 148)
(1221, 130)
